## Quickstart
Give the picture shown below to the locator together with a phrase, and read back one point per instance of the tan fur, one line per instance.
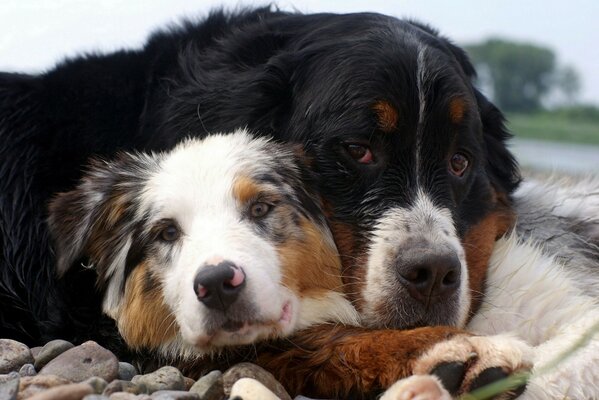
(245, 189)
(144, 320)
(457, 108)
(387, 116)
(310, 264)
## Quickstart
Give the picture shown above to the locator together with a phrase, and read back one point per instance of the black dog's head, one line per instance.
(411, 157)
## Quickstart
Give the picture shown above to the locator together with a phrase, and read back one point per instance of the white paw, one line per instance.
(417, 387)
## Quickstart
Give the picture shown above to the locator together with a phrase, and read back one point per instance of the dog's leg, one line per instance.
(336, 361)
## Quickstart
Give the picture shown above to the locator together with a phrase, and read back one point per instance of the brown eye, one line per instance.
(458, 164)
(170, 233)
(259, 210)
(360, 153)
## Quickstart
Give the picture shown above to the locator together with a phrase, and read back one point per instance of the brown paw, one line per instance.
(417, 387)
(467, 363)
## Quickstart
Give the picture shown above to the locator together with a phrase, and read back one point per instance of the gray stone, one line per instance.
(83, 362)
(249, 370)
(51, 350)
(98, 384)
(126, 371)
(30, 385)
(124, 386)
(36, 350)
(10, 387)
(128, 396)
(73, 391)
(188, 383)
(13, 355)
(210, 386)
(174, 395)
(8, 377)
(95, 397)
(165, 378)
(27, 370)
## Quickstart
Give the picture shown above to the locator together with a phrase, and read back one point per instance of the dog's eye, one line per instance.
(458, 164)
(360, 153)
(170, 233)
(259, 210)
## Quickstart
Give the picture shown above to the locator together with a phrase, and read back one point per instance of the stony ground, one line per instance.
(61, 371)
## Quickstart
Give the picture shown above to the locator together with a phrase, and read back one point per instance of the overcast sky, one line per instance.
(34, 34)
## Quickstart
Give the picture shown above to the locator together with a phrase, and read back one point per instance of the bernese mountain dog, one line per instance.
(409, 158)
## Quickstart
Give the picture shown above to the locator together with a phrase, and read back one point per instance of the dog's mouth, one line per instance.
(236, 332)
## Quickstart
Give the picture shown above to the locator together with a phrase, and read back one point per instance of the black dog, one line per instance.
(401, 141)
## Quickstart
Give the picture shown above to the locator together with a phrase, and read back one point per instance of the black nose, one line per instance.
(431, 278)
(218, 286)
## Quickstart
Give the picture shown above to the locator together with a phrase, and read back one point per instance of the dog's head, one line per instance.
(415, 170)
(217, 242)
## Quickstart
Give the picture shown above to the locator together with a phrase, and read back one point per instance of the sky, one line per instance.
(35, 34)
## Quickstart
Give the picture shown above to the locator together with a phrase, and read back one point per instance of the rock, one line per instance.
(83, 362)
(174, 395)
(73, 391)
(250, 389)
(188, 383)
(128, 396)
(50, 351)
(165, 378)
(249, 370)
(30, 385)
(35, 351)
(8, 377)
(209, 387)
(124, 386)
(27, 370)
(13, 355)
(10, 387)
(126, 371)
(98, 384)
(95, 397)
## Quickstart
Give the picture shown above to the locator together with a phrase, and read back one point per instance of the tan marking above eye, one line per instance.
(387, 116)
(245, 189)
(457, 109)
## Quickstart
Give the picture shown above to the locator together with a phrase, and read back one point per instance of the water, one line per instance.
(556, 156)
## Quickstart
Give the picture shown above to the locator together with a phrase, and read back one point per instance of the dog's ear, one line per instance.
(501, 166)
(87, 223)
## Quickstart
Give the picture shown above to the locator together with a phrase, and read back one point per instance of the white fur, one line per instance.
(428, 223)
(532, 295)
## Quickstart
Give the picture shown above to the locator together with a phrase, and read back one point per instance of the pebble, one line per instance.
(165, 378)
(126, 371)
(210, 386)
(248, 370)
(10, 387)
(250, 389)
(83, 362)
(174, 395)
(73, 391)
(13, 355)
(61, 371)
(27, 370)
(50, 351)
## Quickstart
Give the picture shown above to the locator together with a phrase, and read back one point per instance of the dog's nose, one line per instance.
(431, 278)
(218, 286)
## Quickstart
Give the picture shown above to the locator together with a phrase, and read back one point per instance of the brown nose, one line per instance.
(430, 278)
(218, 286)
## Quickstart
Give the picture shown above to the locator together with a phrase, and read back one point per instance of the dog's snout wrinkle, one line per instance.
(429, 277)
(218, 286)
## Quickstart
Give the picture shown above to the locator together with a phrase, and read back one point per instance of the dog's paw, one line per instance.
(467, 363)
(417, 387)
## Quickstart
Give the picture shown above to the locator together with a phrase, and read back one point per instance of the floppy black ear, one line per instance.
(86, 223)
(502, 167)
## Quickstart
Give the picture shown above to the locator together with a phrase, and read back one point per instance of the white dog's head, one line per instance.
(218, 242)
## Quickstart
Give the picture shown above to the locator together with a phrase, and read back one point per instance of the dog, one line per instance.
(219, 243)
(410, 158)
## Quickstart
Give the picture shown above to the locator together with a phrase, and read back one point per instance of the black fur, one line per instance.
(310, 79)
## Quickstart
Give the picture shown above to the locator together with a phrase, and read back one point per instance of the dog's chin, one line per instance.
(401, 313)
(237, 332)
